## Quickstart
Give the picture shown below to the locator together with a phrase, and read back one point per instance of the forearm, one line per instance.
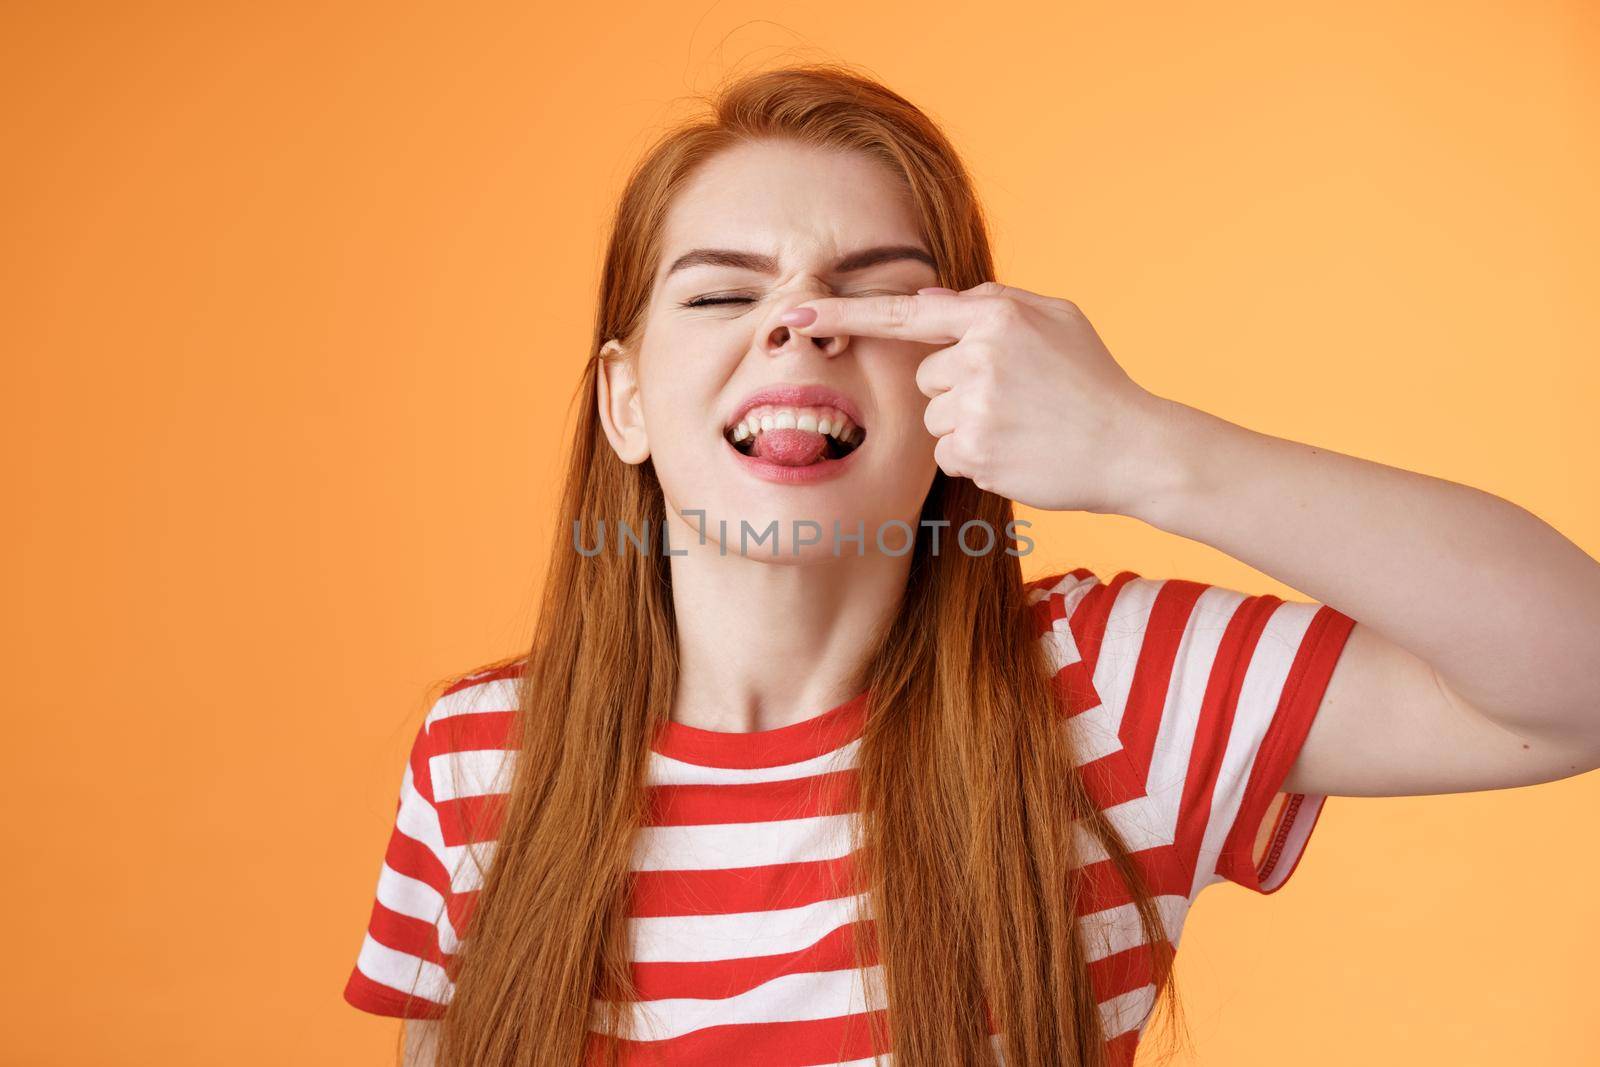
(1499, 603)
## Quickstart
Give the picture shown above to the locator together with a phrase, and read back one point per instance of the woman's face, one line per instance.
(748, 422)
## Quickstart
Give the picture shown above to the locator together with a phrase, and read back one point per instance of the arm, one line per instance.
(1473, 665)
(422, 1042)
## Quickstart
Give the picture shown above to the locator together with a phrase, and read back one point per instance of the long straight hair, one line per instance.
(967, 787)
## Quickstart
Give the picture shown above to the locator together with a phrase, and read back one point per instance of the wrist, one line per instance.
(1163, 468)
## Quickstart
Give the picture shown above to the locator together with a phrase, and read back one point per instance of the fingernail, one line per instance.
(800, 316)
(936, 289)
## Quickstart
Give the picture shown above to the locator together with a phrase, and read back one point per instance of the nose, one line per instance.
(779, 339)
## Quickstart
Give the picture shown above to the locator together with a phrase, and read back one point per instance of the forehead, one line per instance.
(791, 200)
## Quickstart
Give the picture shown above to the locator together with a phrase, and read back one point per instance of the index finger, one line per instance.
(934, 318)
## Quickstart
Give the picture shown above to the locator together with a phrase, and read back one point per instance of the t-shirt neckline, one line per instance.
(811, 737)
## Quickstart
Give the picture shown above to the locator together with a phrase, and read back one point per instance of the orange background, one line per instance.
(294, 299)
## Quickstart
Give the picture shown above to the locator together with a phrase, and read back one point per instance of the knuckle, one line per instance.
(899, 308)
(985, 371)
(1004, 311)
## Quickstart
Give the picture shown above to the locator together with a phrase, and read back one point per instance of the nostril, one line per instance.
(780, 336)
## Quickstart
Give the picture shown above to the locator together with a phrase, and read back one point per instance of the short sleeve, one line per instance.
(400, 969)
(1207, 695)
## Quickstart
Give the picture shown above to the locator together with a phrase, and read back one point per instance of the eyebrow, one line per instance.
(755, 261)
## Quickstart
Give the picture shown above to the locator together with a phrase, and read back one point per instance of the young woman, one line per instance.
(798, 770)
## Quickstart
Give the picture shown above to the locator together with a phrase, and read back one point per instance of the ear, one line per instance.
(617, 395)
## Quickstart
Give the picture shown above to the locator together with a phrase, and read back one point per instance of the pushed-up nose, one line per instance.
(782, 339)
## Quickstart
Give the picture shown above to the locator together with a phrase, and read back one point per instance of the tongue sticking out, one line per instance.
(790, 448)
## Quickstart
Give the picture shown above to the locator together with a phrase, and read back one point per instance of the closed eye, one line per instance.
(713, 301)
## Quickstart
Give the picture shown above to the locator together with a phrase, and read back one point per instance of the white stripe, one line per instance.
(498, 695)
(404, 895)
(787, 998)
(1130, 1011)
(1059, 639)
(1093, 734)
(475, 772)
(1264, 679)
(403, 972)
(821, 995)
(1142, 823)
(725, 846)
(664, 770)
(705, 938)
(1118, 929)
(1066, 586)
(465, 875)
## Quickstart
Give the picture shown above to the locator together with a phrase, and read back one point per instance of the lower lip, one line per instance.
(776, 472)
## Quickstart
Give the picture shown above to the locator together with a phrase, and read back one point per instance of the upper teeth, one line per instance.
(823, 420)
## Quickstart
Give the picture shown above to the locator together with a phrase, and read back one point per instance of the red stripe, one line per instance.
(741, 889)
(1047, 612)
(1075, 688)
(362, 992)
(460, 907)
(1113, 779)
(1102, 886)
(1122, 972)
(473, 730)
(470, 820)
(747, 802)
(815, 736)
(1120, 1050)
(412, 858)
(403, 933)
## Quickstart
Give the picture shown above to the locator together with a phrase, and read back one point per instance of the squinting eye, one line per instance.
(713, 301)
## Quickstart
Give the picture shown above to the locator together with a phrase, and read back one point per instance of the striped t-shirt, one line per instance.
(1187, 704)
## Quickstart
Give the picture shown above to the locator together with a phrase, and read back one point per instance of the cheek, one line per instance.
(899, 399)
(674, 387)
(677, 394)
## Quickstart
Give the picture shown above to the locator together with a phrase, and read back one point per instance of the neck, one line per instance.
(762, 645)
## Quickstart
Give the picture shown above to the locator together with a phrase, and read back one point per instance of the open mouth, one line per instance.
(795, 436)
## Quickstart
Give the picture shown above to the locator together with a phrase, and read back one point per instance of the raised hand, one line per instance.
(1026, 400)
